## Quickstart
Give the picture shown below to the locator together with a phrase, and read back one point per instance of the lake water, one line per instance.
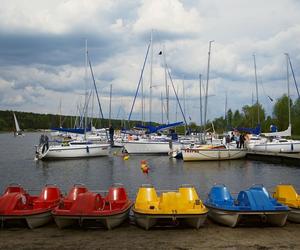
(17, 165)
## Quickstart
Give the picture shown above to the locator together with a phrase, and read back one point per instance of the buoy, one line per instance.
(144, 167)
(126, 157)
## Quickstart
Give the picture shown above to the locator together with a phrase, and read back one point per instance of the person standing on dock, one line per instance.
(111, 135)
(242, 141)
(237, 139)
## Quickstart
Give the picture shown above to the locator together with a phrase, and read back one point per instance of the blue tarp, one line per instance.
(255, 131)
(72, 130)
(154, 129)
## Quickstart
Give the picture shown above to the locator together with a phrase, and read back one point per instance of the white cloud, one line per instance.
(239, 28)
(168, 16)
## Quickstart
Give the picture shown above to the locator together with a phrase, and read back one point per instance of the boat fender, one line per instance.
(263, 218)
(87, 149)
(292, 146)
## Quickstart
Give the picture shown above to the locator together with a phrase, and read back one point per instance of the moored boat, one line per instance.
(82, 205)
(183, 205)
(17, 205)
(253, 202)
(286, 194)
(71, 149)
(212, 153)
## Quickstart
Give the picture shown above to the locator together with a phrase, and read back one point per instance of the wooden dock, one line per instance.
(290, 158)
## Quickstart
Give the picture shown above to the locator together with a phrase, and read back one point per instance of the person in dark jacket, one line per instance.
(242, 141)
(111, 135)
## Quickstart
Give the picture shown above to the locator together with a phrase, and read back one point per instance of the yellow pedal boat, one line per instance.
(183, 205)
(287, 195)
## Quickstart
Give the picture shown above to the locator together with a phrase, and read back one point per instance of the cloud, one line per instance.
(43, 55)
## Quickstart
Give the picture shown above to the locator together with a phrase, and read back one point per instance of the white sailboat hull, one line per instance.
(149, 147)
(75, 151)
(277, 147)
(212, 154)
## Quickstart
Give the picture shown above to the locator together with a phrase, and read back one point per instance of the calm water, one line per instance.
(17, 165)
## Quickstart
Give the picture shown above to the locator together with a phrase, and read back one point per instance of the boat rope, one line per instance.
(176, 95)
(140, 80)
(96, 90)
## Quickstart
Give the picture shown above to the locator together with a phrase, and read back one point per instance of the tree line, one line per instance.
(247, 117)
(34, 121)
(250, 115)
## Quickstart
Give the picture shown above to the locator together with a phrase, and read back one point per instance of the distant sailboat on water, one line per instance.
(18, 131)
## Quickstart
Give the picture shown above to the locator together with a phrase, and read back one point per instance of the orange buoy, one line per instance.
(144, 167)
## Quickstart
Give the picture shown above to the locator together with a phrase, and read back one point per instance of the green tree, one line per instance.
(280, 112)
(296, 117)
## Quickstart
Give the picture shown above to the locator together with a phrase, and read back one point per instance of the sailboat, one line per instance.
(152, 143)
(277, 144)
(73, 148)
(18, 131)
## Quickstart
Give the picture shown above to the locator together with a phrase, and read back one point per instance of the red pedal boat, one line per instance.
(17, 204)
(83, 205)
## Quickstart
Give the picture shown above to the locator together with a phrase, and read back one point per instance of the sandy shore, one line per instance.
(127, 236)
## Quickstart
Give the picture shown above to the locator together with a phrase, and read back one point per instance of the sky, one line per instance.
(42, 54)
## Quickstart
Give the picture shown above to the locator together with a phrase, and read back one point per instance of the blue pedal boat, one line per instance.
(253, 202)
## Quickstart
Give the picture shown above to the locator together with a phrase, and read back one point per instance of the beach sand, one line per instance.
(129, 236)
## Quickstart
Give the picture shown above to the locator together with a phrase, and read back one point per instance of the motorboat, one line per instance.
(82, 205)
(254, 202)
(287, 195)
(16, 204)
(71, 149)
(212, 153)
(183, 206)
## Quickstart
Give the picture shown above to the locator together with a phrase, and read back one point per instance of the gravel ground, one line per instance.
(128, 236)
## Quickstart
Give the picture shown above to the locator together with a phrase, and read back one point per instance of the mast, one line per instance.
(60, 113)
(166, 84)
(256, 87)
(151, 62)
(288, 86)
(293, 74)
(226, 117)
(206, 89)
(86, 93)
(162, 108)
(200, 99)
(183, 96)
(176, 110)
(143, 104)
(110, 94)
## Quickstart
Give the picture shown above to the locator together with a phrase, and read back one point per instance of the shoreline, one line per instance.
(129, 236)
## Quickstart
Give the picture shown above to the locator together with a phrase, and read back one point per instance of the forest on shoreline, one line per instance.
(247, 117)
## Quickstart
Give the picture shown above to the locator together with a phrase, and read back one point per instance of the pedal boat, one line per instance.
(82, 205)
(181, 206)
(287, 195)
(253, 202)
(17, 205)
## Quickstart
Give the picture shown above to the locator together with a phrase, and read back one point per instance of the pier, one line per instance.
(289, 158)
